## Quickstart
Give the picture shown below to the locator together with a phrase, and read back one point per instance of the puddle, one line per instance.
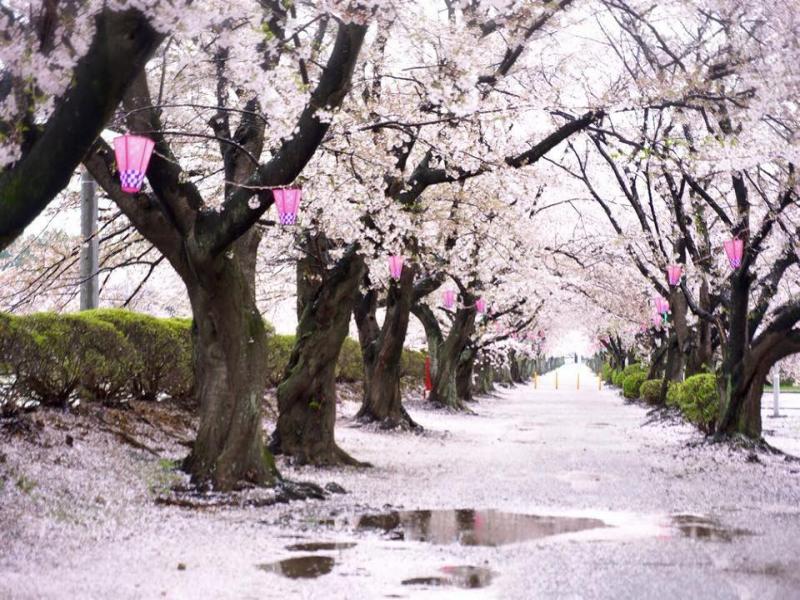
(320, 546)
(467, 577)
(703, 528)
(495, 528)
(301, 567)
(472, 527)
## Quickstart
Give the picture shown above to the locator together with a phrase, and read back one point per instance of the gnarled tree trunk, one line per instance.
(307, 394)
(445, 390)
(464, 373)
(741, 406)
(230, 361)
(382, 350)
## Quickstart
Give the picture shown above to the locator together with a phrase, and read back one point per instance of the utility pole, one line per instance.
(90, 288)
(776, 390)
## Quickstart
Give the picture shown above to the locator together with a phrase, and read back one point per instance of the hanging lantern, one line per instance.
(480, 305)
(395, 266)
(133, 154)
(449, 298)
(735, 250)
(287, 201)
(661, 305)
(674, 273)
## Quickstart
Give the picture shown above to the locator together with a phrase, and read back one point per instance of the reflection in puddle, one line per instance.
(301, 567)
(472, 527)
(703, 528)
(428, 581)
(468, 577)
(320, 546)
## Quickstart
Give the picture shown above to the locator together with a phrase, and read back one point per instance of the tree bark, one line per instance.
(445, 391)
(464, 373)
(230, 361)
(307, 394)
(382, 350)
(733, 381)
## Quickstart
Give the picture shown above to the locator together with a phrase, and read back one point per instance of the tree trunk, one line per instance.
(464, 373)
(702, 353)
(230, 362)
(673, 370)
(445, 392)
(733, 381)
(513, 365)
(307, 394)
(382, 353)
(657, 362)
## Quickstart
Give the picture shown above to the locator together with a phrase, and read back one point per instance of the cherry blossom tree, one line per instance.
(64, 68)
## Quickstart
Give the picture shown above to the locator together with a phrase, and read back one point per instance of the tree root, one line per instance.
(126, 437)
(282, 492)
(391, 423)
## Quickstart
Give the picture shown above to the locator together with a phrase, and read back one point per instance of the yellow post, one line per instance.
(579, 381)
(535, 380)
(556, 379)
(599, 382)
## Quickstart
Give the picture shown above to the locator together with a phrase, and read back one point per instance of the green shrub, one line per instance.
(178, 382)
(412, 365)
(699, 401)
(673, 393)
(633, 368)
(617, 378)
(58, 357)
(350, 366)
(279, 349)
(606, 371)
(650, 391)
(632, 383)
(163, 348)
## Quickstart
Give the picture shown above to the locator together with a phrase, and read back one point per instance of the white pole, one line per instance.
(776, 391)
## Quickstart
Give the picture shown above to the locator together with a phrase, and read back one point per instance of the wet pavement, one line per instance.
(541, 494)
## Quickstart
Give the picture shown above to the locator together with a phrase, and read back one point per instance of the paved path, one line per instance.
(645, 514)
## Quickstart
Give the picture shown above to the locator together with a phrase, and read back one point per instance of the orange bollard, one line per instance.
(556, 379)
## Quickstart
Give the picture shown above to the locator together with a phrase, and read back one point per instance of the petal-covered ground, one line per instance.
(542, 493)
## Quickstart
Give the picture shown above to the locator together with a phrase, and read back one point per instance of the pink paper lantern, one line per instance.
(674, 273)
(287, 201)
(449, 298)
(395, 266)
(480, 305)
(735, 250)
(661, 305)
(133, 154)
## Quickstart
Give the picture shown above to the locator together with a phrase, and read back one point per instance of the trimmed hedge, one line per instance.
(279, 349)
(650, 391)
(112, 355)
(632, 383)
(57, 358)
(617, 378)
(163, 348)
(673, 392)
(350, 367)
(699, 401)
(606, 371)
(633, 368)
